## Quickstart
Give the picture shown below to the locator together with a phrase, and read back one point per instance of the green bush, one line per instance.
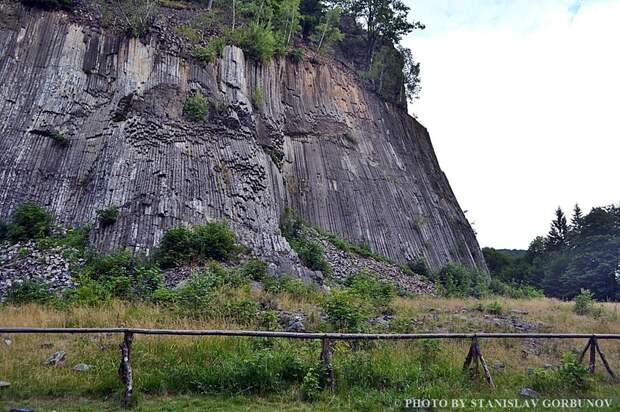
(198, 244)
(584, 302)
(108, 216)
(214, 49)
(29, 221)
(296, 55)
(255, 269)
(257, 42)
(176, 247)
(257, 99)
(29, 291)
(311, 385)
(571, 376)
(214, 240)
(344, 310)
(515, 291)
(117, 274)
(291, 226)
(196, 107)
(312, 256)
(419, 266)
(457, 280)
(494, 308)
(365, 285)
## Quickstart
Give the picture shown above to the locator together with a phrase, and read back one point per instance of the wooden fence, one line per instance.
(474, 360)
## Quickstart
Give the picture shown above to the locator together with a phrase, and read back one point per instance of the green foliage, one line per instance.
(328, 32)
(494, 308)
(291, 285)
(585, 303)
(255, 269)
(310, 252)
(117, 274)
(311, 385)
(214, 240)
(571, 375)
(419, 266)
(365, 285)
(138, 16)
(212, 51)
(514, 290)
(108, 216)
(59, 138)
(196, 107)
(575, 256)
(29, 221)
(257, 42)
(29, 291)
(345, 311)
(312, 255)
(296, 55)
(291, 226)
(257, 99)
(184, 245)
(190, 33)
(349, 247)
(458, 280)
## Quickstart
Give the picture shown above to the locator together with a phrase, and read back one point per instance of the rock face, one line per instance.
(306, 135)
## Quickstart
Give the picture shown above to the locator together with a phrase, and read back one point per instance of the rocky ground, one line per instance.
(25, 261)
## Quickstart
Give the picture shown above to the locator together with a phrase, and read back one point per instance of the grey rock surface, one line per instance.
(55, 358)
(337, 154)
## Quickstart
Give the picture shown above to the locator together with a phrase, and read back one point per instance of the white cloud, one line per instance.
(521, 100)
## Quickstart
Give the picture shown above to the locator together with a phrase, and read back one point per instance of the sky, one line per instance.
(522, 103)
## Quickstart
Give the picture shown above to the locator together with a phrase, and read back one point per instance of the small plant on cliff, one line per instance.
(258, 42)
(196, 107)
(108, 216)
(257, 99)
(214, 49)
(29, 221)
(138, 15)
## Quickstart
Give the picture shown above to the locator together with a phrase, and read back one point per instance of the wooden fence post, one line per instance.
(124, 370)
(594, 348)
(475, 355)
(326, 362)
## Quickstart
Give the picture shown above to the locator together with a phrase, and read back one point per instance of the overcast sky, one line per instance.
(522, 102)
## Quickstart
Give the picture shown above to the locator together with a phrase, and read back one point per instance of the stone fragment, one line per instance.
(528, 393)
(82, 367)
(55, 358)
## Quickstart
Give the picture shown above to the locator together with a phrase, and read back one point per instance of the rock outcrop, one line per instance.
(307, 135)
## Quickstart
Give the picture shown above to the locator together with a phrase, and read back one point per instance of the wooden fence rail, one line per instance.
(473, 361)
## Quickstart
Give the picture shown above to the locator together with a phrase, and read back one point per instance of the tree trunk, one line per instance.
(210, 5)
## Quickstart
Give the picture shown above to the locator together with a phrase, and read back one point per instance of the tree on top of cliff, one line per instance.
(382, 20)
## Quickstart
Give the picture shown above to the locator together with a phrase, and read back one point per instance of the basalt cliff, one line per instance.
(306, 135)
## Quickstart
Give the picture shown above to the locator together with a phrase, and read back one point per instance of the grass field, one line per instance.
(217, 373)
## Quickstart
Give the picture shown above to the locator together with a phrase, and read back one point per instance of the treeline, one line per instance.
(581, 254)
(364, 33)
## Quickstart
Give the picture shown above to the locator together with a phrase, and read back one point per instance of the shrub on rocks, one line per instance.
(29, 291)
(184, 245)
(29, 221)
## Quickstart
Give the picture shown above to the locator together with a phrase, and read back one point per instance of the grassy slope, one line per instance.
(176, 373)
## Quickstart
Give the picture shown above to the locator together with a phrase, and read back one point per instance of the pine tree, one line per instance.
(557, 237)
